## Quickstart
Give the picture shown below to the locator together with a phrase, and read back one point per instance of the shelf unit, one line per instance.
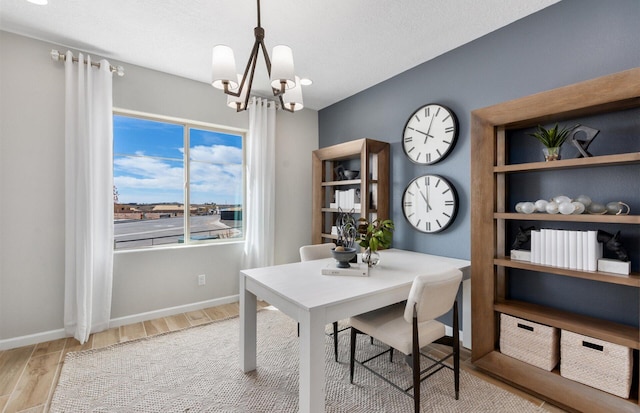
(371, 157)
(490, 268)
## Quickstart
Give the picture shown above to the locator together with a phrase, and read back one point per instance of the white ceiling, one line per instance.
(344, 46)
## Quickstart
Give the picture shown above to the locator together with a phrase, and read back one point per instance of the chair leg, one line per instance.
(352, 353)
(335, 339)
(415, 356)
(456, 350)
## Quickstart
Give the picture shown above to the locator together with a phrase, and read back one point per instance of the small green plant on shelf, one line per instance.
(552, 139)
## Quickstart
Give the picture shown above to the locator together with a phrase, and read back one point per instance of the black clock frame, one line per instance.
(454, 139)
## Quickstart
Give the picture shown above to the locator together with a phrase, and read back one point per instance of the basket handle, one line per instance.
(525, 327)
(592, 345)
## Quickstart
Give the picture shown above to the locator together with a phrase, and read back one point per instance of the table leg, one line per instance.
(312, 380)
(248, 314)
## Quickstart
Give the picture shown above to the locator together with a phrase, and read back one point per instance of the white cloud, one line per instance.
(215, 177)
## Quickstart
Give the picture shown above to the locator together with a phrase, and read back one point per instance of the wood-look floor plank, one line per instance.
(157, 326)
(216, 313)
(106, 338)
(12, 364)
(197, 317)
(49, 347)
(36, 382)
(177, 322)
(132, 332)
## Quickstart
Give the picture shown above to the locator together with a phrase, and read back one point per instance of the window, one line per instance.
(175, 182)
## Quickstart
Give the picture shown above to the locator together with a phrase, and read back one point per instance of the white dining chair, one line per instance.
(317, 252)
(412, 326)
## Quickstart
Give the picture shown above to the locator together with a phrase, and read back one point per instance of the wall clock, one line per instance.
(430, 134)
(430, 203)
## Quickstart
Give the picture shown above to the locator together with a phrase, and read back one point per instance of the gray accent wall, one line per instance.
(571, 41)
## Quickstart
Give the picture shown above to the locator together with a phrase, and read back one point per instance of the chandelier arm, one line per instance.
(283, 106)
(253, 62)
(252, 57)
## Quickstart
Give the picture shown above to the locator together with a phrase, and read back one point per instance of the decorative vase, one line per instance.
(371, 258)
(551, 154)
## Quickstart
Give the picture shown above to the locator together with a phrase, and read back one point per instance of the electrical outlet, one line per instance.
(202, 280)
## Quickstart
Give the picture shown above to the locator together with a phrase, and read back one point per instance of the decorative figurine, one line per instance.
(612, 242)
(523, 236)
(581, 144)
(339, 170)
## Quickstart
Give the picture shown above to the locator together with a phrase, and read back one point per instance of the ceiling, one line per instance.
(344, 46)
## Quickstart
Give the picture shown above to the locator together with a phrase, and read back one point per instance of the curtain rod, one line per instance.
(56, 55)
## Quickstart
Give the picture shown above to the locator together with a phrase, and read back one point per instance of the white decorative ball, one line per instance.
(561, 198)
(528, 207)
(566, 208)
(519, 207)
(552, 207)
(579, 207)
(596, 208)
(584, 200)
(541, 205)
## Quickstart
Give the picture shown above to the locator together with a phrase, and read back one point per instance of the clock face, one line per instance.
(430, 203)
(430, 134)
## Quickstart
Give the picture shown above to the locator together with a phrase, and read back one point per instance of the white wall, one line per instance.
(32, 195)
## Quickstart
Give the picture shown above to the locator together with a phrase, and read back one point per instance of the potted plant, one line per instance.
(552, 139)
(372, 236)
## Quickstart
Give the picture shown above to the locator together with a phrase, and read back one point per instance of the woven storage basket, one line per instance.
(596, 363)
(530, 342)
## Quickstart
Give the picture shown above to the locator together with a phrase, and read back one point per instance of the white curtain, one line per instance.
(260, 216)
(88, 197)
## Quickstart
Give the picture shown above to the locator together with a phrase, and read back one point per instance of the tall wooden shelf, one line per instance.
(490, 218)
(371, 157)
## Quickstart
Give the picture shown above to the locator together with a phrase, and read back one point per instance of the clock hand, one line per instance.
(427, 198)
(429, 129)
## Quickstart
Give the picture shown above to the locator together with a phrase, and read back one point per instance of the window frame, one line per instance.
(188, 124)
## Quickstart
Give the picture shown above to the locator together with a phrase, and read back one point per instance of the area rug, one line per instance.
(197, 370)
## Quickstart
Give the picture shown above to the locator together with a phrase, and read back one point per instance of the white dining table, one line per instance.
(302, 292)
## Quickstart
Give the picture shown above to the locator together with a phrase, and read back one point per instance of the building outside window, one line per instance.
(175, 181)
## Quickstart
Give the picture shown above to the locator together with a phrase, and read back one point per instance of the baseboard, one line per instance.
(151, 315)
(45, 336)
(449, 331)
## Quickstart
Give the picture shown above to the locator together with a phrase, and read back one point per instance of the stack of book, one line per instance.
(346, 200)
(576, 250)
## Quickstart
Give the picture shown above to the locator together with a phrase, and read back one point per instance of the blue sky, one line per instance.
(148, 163)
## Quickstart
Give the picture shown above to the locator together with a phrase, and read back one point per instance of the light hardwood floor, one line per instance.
(28, 375)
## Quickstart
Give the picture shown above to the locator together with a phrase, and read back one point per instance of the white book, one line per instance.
(560, 248)
(545, 245)
(579, 251)
(567, 250)
(592, 251)
(585, 249)
(535, 247)
(554, 247)
(356, 270)
(573, 252)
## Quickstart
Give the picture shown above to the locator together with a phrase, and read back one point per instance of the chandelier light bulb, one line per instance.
(223, 67)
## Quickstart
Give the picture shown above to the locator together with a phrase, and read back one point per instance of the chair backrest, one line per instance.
(316, 252)
(434, 294)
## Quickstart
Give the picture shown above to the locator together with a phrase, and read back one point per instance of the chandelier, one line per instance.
(284, 83)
